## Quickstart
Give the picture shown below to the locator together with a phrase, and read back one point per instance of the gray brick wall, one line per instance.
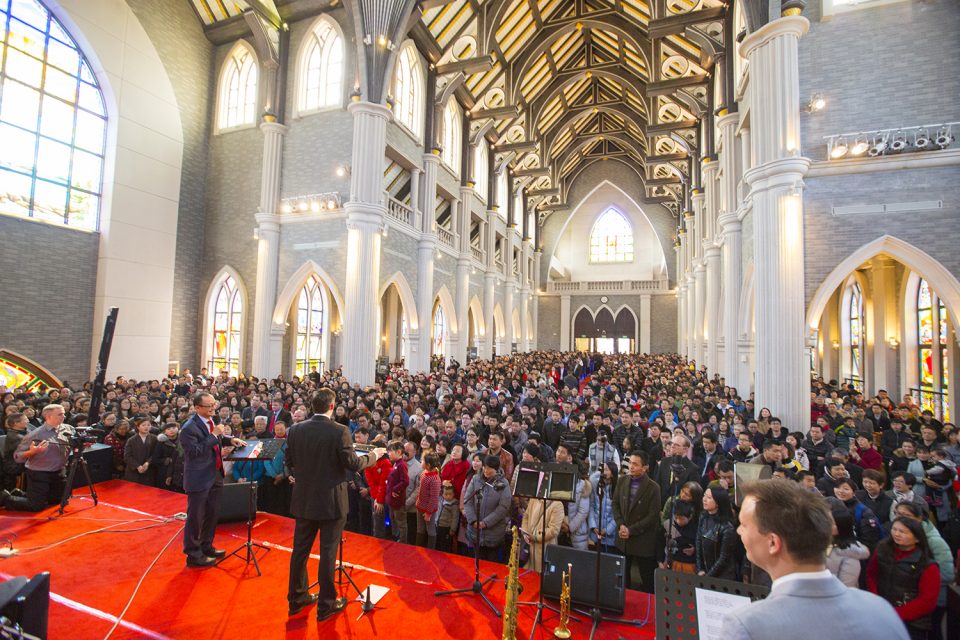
(663, 324)
(548, 321)
(187, 56)
(47, 291)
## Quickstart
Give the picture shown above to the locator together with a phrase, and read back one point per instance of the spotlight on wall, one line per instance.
(343, 170)
(860, 146)
(944, 138)
(878, 147)
(893, 342)
(922, 140)
(899, 142)
(286, 207)
(817, 103)
(838, 148)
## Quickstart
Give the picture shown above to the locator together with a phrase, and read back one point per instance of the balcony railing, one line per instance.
(400, 212)
(447, 237)
(477, 254)
(608, 286)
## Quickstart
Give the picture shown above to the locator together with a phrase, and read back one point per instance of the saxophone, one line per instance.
(512, 590)
(562, 631)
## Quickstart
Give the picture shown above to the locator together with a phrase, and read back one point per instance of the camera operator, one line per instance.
(44, 452)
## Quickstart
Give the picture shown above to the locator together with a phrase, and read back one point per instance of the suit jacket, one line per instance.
(321, 458)
(641, 515)
(200, 451)
(815, 608)
(664, 475)
(284, 417)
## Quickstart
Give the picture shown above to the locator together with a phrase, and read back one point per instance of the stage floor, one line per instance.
(93, 577)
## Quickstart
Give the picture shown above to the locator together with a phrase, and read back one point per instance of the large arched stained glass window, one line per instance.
(439, 331)
(227, 335)
(933, 349)
(612, 238)
(310, 327)
(408, 91)
(53, 122)
(855, 326)
(321, 76)
(238, 88)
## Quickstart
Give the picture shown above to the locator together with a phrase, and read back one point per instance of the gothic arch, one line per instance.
(449, 310)
(208, 301)
(943, 282)
(476, 310)
(515, 323)
(219, 89)
(406, 297)
(290, 291)
(498, 322)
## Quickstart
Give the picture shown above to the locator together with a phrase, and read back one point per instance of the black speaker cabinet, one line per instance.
(584, 575)
(235, 502)
(99, 459)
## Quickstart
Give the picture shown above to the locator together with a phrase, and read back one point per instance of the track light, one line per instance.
(922, 140)
(860, 146)
(944, 138)
(899, 142)
(878, 147)
(839, 148)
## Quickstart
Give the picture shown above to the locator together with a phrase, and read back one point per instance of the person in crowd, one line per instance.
(874, 497)
(680, 536)
(541, 525)
(902, 491)
(43, 452)
(716, 541)
(396, 491)
(676, 469)
(866, 523)
(376, 477)
(455, 470)
(636, 506)
(168, 459)
(846, 553)
(903, 572)
(117, 439)
(864, 455)
(602, 450)
(602, 525)
(448, 519)
(428, 502)
(744, 451)
(487, 521)
(575, 522)
(138, 453)
(786, 532)
(16, 424)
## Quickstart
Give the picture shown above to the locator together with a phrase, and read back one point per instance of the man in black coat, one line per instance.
(321, 458)
(676, 469)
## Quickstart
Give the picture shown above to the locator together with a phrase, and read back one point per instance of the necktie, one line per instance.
(216, 448)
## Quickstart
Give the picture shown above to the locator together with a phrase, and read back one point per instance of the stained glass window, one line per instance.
(408, 91)
(439, 331)
(310, 325)
(53, 121)
(932, 350)
(452, 122)
(238, 89)
(321, 80)
(227, 319)
(856, 329)
(612, 238)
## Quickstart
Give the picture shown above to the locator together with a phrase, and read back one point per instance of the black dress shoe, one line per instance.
(303, 604)
(214, 553)
(338, 605)
(202, 561)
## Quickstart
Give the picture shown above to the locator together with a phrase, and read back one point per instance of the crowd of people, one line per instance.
(654, 440)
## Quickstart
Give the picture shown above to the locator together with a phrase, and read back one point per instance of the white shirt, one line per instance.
(804, 575)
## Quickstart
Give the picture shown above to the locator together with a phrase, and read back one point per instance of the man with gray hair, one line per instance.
(44, 452)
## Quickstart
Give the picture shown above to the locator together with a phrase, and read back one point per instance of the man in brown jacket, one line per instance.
(636, 505)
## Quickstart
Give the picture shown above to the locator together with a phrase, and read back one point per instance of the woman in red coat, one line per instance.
(455, 470)
(377, 482)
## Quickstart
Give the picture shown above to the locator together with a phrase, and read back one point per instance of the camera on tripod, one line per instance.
(78, 439)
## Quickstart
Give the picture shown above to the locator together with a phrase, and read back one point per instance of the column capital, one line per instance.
(699, 268)
(782, 172)
(795, 26)
(710, 168)
(370, 108)
(430, 158)
(696, 198)
(364, 215)
(710, 250)
(729, 221)
(274, 127)
(728, 120)
(267, 220)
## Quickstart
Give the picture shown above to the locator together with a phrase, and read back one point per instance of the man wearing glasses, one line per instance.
(202, 441)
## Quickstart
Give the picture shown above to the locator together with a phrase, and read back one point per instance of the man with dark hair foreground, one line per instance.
(786, 532)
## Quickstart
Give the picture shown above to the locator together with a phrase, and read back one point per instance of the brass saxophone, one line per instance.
(562, 631)
(512, 590)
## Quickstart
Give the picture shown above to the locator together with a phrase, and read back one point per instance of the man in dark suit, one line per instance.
(321, 458)
(278, 414)
(636, 512)
(202, 440)
(676, 469)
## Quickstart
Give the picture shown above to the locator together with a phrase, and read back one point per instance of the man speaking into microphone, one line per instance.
(202, 441)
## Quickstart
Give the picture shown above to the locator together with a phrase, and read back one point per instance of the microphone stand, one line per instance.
(595, 614)
(477, 587)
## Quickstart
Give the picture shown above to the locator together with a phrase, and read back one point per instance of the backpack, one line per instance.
(858, 515)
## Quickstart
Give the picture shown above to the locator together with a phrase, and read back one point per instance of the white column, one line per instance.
(415, 174)
(776, 179)
(459, 350)
(365, 212)
(690, 315)
(689, 253)
(711, 255)
(681, 291)
(489, 302)
(699, 277)
(730, 225)
(565, 321)
(509, 290)
(644, 346)
(266, 352)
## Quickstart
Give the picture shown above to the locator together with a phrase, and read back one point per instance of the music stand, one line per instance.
(255, 451)
(545, 481)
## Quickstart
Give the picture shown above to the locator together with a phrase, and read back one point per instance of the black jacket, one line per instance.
(716, 547)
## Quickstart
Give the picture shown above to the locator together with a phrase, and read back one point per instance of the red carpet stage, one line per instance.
(93, 577)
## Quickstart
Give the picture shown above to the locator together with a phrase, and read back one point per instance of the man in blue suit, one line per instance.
(786, 532)
(202, 441)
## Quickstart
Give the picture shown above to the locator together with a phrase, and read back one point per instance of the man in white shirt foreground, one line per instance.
(786, 532)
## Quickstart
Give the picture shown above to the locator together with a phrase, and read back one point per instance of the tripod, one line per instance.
(74, 461)
(341, 572)
(247, 547)
(595, 614)
(478, 585)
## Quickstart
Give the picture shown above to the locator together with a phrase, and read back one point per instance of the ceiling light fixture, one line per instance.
(838, 148)
(922, 139)
(944, 137)
(860, 146)
(899, 142)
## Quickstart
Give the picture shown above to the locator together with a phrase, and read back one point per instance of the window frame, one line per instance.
(593, 231)
(452, 146)
(416, 91)
(295, 359)
(311, 41)
(438, 321)
(222, 89)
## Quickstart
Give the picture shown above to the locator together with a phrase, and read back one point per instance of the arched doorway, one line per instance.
(604, 332)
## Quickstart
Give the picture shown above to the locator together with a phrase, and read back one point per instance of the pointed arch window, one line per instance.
(238, 89)
(53, 121)
(311, 327)
(503, 192)
(481, 169)
(321, 72)
(226, 330)
(408, 92)
(439, 331)
(933, 350)
(612, 238)
(855, 327)
(452, 124)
